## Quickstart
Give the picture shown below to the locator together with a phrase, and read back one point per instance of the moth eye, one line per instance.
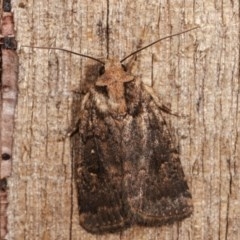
(124, 67)
(101, 70)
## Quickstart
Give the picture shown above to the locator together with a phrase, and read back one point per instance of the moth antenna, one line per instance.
(69, 51)
(169, 36)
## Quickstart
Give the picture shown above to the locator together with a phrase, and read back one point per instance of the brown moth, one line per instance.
(128, 171)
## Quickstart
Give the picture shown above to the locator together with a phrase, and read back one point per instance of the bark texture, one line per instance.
(8, 98)
(196, 74)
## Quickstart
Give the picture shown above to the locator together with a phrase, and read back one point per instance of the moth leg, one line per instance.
(74, 129)
(68, 132)
(157, 101)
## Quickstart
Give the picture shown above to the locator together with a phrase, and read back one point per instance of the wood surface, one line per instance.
(196, 74)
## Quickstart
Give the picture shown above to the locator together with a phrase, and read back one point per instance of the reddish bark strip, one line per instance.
(3, 207)
(9, 69)
(8, 91)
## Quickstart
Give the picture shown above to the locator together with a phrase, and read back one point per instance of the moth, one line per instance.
(128, 171)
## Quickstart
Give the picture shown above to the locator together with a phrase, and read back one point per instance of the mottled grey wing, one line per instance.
(99, 174)
(154, 181)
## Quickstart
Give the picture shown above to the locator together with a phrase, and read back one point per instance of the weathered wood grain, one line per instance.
(197, 74)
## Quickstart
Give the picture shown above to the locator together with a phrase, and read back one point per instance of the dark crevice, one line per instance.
(3, 185)
(9, 43)
(7, 5)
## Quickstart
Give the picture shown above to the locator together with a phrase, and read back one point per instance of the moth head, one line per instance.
(113, 71)
(102, 69)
